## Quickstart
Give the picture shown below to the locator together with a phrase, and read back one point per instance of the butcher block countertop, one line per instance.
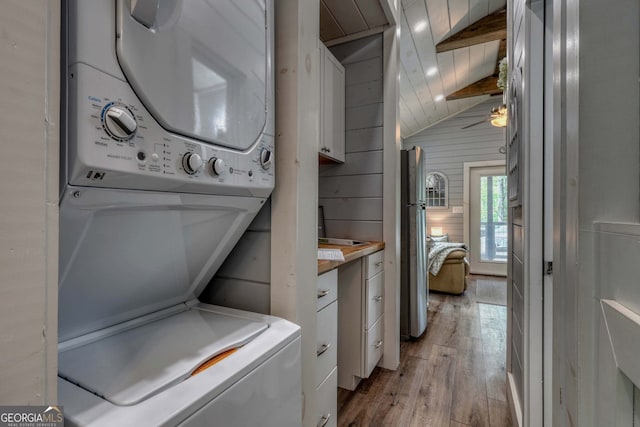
(350, 253)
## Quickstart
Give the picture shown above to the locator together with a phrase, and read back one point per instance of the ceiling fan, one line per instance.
(497, 118)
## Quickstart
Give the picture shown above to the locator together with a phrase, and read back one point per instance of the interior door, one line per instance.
(488, 235)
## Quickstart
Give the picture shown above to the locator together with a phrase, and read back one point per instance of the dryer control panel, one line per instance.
(114, 142)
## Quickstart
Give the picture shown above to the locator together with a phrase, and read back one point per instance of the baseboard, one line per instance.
(514, 401)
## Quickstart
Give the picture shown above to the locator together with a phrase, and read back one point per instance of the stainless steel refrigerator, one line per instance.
(414, 289)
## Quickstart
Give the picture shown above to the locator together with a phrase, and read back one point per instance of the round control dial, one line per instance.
(192, 162)
(266, 158)
(217, 166)
(119, 122)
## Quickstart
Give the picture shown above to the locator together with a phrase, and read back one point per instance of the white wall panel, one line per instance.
(363, 117)
(29, 131)
(363, 140)
(351, 192)
(447, 146)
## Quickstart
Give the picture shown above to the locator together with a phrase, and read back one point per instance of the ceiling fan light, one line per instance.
(500, 121)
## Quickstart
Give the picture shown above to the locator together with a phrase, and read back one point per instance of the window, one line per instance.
(437, 187)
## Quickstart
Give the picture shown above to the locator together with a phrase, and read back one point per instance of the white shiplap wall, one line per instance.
(243, 280)
(351, 193)
(447, 147)
(29, 131)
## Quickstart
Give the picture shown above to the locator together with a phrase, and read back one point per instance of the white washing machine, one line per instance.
(168, 148)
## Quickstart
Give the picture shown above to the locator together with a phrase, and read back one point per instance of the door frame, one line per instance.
(466, 189)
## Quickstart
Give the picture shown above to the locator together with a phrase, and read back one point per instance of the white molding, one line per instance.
(356, 36)
(514, 402)
(391, 198)
(294, 201)
(465, 191)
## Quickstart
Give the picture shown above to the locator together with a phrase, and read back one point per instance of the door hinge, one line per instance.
(548, 268)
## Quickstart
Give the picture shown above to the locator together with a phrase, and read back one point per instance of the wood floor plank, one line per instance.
(499, 413)
(493, 326)
(469, 405)
(433, 408)
(396, 407)
(443, 375)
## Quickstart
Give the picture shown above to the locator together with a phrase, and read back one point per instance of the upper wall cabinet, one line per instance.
(332, 112)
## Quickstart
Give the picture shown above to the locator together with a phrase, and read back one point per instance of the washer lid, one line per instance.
(199, 66)
(133, 365)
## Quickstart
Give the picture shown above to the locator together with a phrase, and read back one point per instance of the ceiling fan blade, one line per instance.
(475, 124)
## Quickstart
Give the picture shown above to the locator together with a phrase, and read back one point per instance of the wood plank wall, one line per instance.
(243, 280)
(516, 360)
(351, 193)
(29, 176)
(447, 147)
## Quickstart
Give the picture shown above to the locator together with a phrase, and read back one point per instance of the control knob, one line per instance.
(266, 158)
(217, 166)
(192, 162)
(119, 122)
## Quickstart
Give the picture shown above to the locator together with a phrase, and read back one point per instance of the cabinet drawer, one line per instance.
(327, 288)
(327, 401)
(373, 347)
(375, 298)
(374, 264)
(327, 341)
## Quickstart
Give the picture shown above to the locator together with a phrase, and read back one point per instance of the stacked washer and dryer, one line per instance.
(167, 157)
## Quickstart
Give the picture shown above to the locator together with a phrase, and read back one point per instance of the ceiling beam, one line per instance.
(486, 86)
(491, 27)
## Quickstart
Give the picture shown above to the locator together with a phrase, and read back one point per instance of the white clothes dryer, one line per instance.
(168, 147)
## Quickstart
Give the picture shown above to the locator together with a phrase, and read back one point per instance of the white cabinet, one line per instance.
(361, 318)
(332, 113)
(326, 349)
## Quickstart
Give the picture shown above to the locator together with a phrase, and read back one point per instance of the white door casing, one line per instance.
(472, 217)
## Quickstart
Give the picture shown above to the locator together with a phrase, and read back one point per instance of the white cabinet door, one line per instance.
(333, 113)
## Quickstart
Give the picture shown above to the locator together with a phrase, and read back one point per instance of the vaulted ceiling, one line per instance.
(449, 51)
(427, 76)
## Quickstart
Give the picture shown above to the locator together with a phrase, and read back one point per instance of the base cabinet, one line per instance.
(326, 349)
(360, 318)
(327, 395)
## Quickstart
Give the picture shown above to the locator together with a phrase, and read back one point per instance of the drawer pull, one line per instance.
(379, 344)
(378, 264)
(323, 293)
(378, 298)
(323, 348)
(324, 420)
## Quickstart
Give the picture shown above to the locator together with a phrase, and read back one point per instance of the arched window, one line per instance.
(437, 190)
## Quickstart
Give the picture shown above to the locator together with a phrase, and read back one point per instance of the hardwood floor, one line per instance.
(454, 375)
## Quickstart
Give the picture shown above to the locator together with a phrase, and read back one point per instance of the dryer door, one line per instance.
(200, 67)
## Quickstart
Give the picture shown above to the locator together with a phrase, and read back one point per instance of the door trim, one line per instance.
(466, 189)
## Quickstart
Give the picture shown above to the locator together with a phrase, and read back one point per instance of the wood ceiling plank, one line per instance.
(329, 28)
(372, 12)
(495, 5)
(411, 62)
(478, 9)
(458, 15)
(407, 91)
(425, 48)
(438, 12)
(489, 28)
(461, 64)
(486, 86)
(424, 45)
(406, 116)
(447, 71)
(347, 15)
